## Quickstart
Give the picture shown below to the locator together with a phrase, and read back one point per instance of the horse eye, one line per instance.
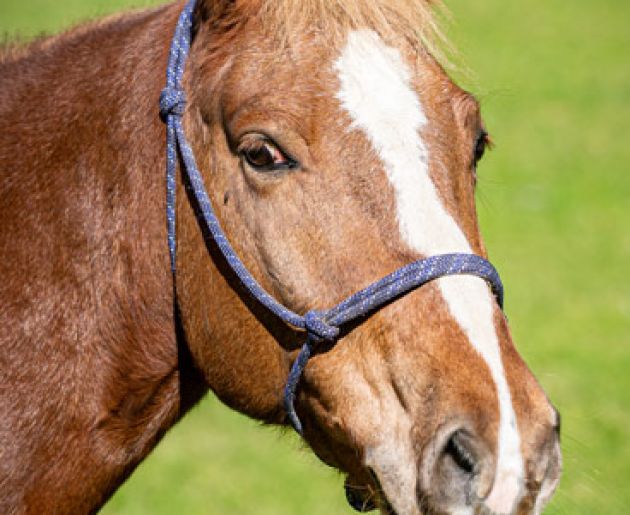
(263, 155)
(480, 146)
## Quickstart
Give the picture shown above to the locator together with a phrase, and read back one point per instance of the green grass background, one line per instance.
(554, 200)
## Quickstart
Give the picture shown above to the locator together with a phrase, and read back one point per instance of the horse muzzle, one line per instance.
(458, 474)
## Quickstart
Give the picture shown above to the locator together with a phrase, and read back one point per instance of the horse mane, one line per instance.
(16, 47)
(13, 48)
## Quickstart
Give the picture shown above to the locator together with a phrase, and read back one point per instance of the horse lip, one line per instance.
(357, 499)
(375, 500)
(385, 507)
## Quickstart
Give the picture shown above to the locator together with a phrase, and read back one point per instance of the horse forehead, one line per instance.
(279, 74)
(377, 94)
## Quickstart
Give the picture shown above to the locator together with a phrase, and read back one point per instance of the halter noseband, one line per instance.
(319, 325)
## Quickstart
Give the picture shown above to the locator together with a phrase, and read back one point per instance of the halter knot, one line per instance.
(172, 102)
(316, 327)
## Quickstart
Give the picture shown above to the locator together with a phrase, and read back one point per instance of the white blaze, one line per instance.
(376, 92)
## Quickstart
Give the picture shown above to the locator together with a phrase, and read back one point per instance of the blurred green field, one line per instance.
(554, 200)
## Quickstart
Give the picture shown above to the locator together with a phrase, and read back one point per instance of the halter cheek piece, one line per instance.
(320, 326)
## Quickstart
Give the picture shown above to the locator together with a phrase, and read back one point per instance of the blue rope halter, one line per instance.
(319, 325)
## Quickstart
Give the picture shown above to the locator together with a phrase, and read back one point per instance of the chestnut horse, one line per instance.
(335, 150)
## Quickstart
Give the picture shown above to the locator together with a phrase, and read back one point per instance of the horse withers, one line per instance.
(335, 150)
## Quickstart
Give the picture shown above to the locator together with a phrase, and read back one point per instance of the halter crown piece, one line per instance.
(319, 326)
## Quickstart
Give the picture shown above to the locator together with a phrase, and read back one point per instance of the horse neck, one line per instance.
(87, 322)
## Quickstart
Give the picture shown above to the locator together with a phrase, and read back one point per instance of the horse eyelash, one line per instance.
(482, 138)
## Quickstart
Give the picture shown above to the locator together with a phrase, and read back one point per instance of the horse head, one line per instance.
(336, 149)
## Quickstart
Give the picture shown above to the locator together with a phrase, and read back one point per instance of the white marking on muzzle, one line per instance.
(376, 92)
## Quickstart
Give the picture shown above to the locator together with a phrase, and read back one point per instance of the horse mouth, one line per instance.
(367, 499)
(386, 508)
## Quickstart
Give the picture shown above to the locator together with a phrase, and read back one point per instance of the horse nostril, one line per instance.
(456, 470)
(458, 449)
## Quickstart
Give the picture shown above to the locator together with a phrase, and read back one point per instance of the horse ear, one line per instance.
(218, 15)
(212, 9)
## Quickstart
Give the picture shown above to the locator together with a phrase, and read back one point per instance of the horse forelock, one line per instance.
(414, 20)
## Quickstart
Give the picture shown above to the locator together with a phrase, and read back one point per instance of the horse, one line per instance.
(335, 149)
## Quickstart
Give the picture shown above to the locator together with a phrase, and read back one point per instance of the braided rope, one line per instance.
(318, 325)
